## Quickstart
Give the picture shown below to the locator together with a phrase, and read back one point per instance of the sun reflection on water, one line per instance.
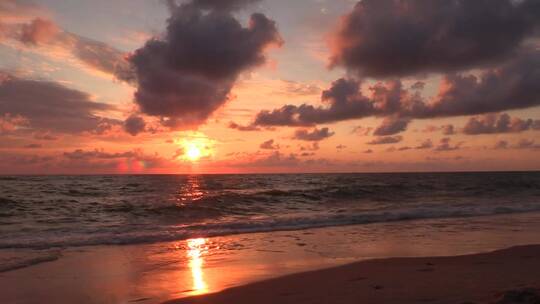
(196, 248)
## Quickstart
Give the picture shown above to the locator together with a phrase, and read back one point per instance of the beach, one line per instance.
(372, 255)
(505, 276)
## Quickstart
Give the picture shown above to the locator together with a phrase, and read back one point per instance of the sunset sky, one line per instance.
(239, 86)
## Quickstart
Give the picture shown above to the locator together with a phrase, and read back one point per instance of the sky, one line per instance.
(268, 86)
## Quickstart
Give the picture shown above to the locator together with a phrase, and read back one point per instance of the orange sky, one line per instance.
(63, 103)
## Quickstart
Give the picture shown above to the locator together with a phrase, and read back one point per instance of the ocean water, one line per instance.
(44, 212)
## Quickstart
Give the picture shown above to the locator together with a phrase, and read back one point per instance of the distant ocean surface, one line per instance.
(67, 211)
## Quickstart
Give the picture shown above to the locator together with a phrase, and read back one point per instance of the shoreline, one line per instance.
(155, 273)
(477, 278)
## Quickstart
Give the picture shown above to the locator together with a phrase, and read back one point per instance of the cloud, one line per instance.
(313, 147)
(235, 126)
(514, 85)
(10, 123)
(186, 75)
(45, 136)
(426, 144)
(269, 145)
(523, 144)
(33, 146)
(448, 129)
(445, 145)
(49, 106)
(38, 31)
(97, 154)
(221, 5)
(501, 145)
(386, 140)
(345, 102)
(276, 159)
(17, 11)
(499, 123)
(300, 89)
(314, 135)
(49, 39)
(362, 131)
(394, 38)
(392, 125)
(134, 125)
(527, 144)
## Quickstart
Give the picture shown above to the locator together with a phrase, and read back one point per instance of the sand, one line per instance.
(158, 272)
(496, 277)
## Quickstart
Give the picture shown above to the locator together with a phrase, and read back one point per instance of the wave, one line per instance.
(134, 234)
(22, 261)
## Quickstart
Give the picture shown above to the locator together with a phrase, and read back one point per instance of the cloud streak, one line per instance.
(49, 106)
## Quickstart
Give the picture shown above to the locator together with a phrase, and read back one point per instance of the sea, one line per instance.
(43, 212)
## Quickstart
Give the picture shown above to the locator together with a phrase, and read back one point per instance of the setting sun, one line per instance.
(193, 153)
(194, 146)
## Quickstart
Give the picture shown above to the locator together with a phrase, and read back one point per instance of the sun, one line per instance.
(194, 147)
(193, 153)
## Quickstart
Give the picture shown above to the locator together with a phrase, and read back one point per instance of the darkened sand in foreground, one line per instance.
(505, 276)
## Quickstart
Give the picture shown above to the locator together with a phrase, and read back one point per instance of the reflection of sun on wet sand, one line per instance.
(508, 276)
(196, 248)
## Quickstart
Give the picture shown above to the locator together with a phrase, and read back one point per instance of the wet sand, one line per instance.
(496, 277)
(158, 272)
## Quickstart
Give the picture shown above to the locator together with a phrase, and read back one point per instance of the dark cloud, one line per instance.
(514, 85)
(426, 144)
(45, 136)
(276, 159)
(527, 144)
(49, 106)
(399, 149)
(501, 145)
(362, 131)
(345, 101)
(341, 147)
(220, 5)
(368, 151)
(393, 38)
(269, 145)
(313, 135)
(386, 140)
(448, 129)
(445, 145)
(392, 125)
(499, 123)
(134, 125)
(97, 154)
(307, 154)
(187, 74)
(235, 126)
(313, 147)
(33, 146)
